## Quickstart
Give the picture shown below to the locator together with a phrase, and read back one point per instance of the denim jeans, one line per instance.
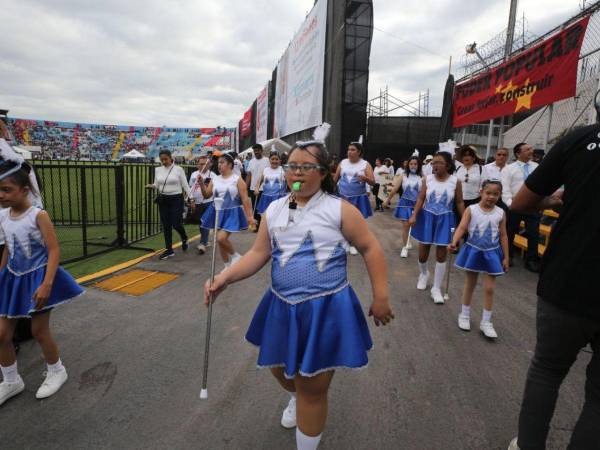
(560, 338)
(171, 217)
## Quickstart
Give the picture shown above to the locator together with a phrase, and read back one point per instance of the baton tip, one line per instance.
(203, 394)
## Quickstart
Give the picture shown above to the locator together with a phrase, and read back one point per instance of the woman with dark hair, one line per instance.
(272, 183)
(310, 323)
(470, 175)
(433, 219)
(352, 176)
(171, 185)
(410, 184)
(236, 212)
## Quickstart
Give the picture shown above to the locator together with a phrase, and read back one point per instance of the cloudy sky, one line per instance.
(201, 63)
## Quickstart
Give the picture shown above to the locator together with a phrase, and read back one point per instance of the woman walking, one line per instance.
(171, 185)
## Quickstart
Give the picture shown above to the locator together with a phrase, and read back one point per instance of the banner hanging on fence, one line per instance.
(300, 75)
(262, 114)
(543, 74)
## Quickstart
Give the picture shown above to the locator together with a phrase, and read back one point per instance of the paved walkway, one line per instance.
(135, 370)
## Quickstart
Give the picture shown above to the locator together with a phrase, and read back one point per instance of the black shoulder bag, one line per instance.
(160, 198)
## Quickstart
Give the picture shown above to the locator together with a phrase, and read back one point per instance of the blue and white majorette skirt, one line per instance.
(404, 209)
(266, 200)
(313, 336)
(361, 202)
(433, 229)
(474, 259)
(16, 291)
(230, 219)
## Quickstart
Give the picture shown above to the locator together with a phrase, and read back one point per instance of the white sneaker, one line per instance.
(422, 283)
(404, 252)
(436, 295)
(409, 245)
(52, 383)
(353, 251)
(464, 322)
(201, 249)
(288, 419)
(9, 390)
(487, 328)
(513, 445)
(235, 258)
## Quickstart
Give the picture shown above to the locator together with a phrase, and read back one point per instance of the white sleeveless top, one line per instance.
(273, 181)
(439, 197)
(349, 185)
(226, 188)
(484, 227)
(309, 253)
(411, 186)
(26, 247)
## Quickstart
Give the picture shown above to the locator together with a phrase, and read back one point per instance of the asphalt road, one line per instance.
(135, 368)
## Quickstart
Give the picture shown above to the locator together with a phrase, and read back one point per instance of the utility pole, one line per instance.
(510, 35)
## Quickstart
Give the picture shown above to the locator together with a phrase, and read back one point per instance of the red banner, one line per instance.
(246, 127)
(539, 76)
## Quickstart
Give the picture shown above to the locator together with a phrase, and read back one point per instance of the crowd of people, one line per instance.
(308, 215)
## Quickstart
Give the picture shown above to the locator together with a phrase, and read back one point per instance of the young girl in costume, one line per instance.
(310, 323)
(410, 182)
(31, 281)
(236, 213)
(352, 176)
(486, 251)
(272, 182)
(433, 219)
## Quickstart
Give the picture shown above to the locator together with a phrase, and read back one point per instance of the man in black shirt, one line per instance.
(568, 310)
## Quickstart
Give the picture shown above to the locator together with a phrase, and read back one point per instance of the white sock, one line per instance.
(56, 367)
(487, 316)
(304, 442)
(440, 271)
(293, 394)
(466, 310)
(423, 268)
(10, 373)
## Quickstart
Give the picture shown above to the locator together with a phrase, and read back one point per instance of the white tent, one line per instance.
(22, 151)
(133, 154)
(280, 146)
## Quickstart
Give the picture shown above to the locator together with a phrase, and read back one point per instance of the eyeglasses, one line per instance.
(303, 168)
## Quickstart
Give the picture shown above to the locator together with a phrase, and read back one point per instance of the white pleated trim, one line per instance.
(28, 316)
(478, 271)
(18, 274)
(310, 297)
(482, 249)
(313, 374)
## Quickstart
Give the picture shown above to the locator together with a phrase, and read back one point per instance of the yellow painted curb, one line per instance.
(127, 264)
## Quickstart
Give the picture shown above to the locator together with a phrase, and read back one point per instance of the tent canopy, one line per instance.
(133, 154)
(280, 146)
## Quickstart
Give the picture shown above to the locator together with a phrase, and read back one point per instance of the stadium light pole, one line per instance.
(471, 49)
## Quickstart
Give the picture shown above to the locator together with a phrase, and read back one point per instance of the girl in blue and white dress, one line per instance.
(310, 322)
(410, 181)
(433, 219)
(236, 213)
(31, 281)
(272, 183)
(486, 252)
(352, 176)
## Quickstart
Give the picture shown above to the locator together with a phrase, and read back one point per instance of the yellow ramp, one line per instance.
(118, 145)
(136, 282)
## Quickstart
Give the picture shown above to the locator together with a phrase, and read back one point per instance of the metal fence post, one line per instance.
(549, 126)
(84, 218)
(489, 141)
(120, 203)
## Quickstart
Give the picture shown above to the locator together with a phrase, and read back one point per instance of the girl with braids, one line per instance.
(486, 252)
(309, 322)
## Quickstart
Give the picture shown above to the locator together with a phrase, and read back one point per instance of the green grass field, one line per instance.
(84, 200)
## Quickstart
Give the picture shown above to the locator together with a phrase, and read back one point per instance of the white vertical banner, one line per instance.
(262, 114)
(300, 76)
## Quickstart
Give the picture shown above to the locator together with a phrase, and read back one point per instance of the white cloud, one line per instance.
(202, 63)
